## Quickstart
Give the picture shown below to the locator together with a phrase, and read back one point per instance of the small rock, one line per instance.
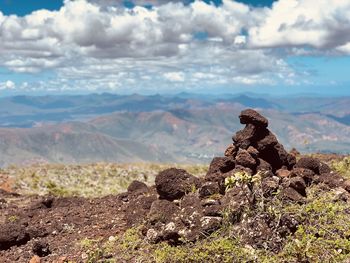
(208, 189)
(41, 249)
(298, 184)
(292, 194)
(269, 185)
(209, 224)
(283, 173)
(213, 210)
(244, 138)
(323, 168)
(307, 174)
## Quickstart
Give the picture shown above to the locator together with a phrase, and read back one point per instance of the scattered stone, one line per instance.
(269, 185)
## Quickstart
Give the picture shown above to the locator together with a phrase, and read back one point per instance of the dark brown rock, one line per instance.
(210, 224)
(244, 159)
(250, 116)
(172, 184)
(208, 189)
(137, 186)
(236, 200)
(267, 141)
(244, 138)
(213, 210)
(41, 249)
(221, 165)
(323, 168)
(304, 173)
(263, 165)
(333, 180)
(13, 234)
(310, 163)
(138, 208)
(162, 211)
(269, 185)
(298, 184)
(253, 152)
(231, 151)
(292, 194)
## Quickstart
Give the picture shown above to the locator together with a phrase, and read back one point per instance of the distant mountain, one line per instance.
(184, 128)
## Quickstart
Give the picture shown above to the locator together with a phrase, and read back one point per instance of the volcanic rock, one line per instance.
(208, 189)
(244, 159)
(231, 151)
(41, 249)
(174, 183)
(309, 163)
(250, 116)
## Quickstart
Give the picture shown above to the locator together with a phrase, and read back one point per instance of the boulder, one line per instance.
(250, 116)
(221, 165)
(172, 184)
(310, 163)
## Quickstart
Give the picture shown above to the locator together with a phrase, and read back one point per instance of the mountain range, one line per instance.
(159, 128)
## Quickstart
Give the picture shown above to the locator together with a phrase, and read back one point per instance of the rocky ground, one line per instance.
(257, 203)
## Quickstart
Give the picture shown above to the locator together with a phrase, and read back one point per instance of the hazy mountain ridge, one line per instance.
(158, 128)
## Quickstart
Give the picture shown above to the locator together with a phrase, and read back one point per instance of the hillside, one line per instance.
(183, 128)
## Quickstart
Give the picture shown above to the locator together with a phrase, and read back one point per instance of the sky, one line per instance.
(155, 46)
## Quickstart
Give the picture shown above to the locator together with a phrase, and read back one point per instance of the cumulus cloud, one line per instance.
(7, 85)
(321, 25)
(100, 43)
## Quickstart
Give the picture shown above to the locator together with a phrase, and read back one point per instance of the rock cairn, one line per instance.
(255, 167)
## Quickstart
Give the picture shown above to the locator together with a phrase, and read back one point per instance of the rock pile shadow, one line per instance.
(235, 192)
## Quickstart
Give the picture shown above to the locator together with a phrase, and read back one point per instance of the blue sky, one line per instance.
(156, 46)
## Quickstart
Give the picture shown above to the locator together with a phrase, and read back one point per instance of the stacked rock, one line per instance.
(183, 207)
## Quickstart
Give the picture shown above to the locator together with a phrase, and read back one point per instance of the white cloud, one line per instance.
(174, 76)
(100, 44)
(7, 85)
(323, 24)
